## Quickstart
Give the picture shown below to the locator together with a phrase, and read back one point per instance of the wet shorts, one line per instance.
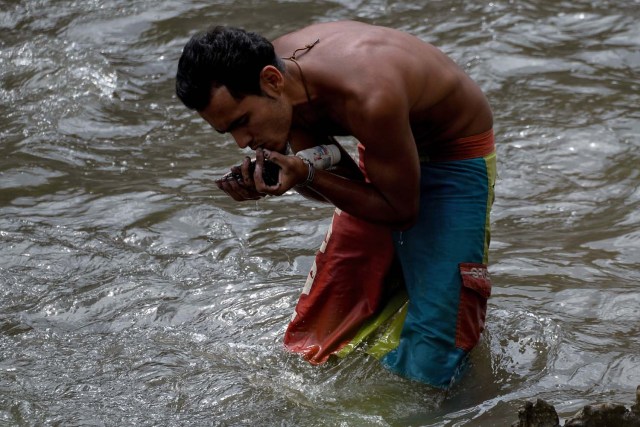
(421, 323)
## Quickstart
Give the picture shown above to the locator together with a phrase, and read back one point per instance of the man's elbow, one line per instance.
(407, 224)
(407, 219)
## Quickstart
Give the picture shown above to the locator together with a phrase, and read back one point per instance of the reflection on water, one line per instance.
(132, 291)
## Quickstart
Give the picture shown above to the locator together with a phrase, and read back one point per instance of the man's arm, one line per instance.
(239, 182)
(347, 167)
(381, 124)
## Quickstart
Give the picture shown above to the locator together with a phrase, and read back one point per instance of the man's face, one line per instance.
(253, 121)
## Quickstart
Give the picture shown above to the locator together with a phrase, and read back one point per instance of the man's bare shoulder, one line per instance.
(360, 68)
(358, 59)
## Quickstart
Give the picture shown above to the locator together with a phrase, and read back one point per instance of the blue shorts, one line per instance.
(423, 325)
(443, 259)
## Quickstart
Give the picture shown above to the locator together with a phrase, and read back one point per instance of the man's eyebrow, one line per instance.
(234, 124)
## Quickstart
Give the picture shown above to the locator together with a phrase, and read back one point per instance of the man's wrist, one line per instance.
(311, 173)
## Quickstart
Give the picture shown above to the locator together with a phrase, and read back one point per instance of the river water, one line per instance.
(132, 292)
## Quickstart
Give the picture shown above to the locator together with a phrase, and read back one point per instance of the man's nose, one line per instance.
(243, 139)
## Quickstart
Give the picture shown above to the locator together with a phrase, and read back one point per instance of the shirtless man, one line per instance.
(426, 146)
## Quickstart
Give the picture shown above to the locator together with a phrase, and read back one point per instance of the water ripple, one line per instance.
(134, 292)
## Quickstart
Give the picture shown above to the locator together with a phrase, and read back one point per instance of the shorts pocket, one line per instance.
(472, 310)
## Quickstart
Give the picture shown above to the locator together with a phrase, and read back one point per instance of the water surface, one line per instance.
(133, 292)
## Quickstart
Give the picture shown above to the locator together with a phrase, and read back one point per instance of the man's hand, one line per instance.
(293, 171)
(239, 183)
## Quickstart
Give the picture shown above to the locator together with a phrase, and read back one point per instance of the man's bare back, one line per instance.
(353, 62)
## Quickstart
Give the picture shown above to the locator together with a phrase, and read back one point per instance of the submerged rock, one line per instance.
(606, 414)
(543, 414)
(540, 414)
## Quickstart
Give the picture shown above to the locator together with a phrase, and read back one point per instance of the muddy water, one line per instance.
(133, 292)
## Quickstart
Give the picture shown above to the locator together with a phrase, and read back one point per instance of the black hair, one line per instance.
(222, 56)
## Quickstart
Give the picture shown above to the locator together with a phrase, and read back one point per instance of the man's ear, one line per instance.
(271, 81)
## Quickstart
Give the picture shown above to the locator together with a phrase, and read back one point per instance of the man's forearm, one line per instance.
(360, 199)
